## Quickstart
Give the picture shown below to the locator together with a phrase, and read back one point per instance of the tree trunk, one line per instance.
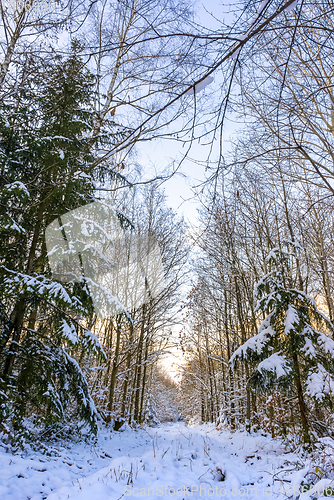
(301, 402)
(127, 376)
(140, 419)
(115, 364)
(138, 366)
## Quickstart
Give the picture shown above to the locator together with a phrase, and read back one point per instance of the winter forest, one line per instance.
(144, 352)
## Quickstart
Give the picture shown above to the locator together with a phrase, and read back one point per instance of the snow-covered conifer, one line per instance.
(293, 351)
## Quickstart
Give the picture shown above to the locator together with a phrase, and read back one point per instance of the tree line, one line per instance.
(259, 351)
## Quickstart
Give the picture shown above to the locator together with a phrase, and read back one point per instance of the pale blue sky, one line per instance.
(159, 154)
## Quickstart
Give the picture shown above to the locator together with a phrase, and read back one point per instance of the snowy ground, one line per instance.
(172, 461)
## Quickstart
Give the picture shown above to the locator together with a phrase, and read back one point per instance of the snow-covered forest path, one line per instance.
(168, 461)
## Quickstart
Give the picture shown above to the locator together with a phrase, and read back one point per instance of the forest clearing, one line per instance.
(172, 461)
